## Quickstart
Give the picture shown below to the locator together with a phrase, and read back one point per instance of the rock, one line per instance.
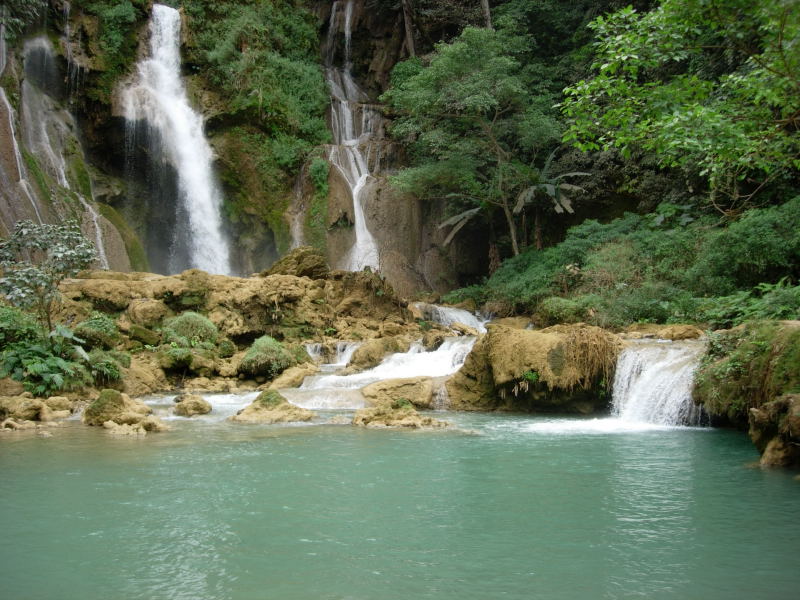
(59, 403)
(217, 385)
(416, 390)
(124, 429)
(188, 405)
(303, 261)
(147, 312)
(464, 329)
(513, 322)
(144, 376)
(18, 407)
(432, 339)
(293, 376)
(775, 431)
(397, 414)
(115, 406)
(270, 407)
(9, 387)
(153, 424)
(144, 335)
(680, 332)
(372, 352)
(17, 424)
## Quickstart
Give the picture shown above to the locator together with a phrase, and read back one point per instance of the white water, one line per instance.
(345, 351)
(99, 243)
(652, 391)
(354, 125)
(447, 315)
(222, 406)
(342, 391)
(158, 96)
(19, 177)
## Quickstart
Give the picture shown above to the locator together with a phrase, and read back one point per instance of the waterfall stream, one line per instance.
(158, 98)
(653, 382)
(355, 126)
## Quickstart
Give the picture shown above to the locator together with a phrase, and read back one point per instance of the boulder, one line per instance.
(303, 261)
(775, 431)
(115, 406)
(270, 407)
(416, 390)
(144, 335)
(144, 376)
(293, 376)
(188, 405)
(462, 329)
(21, 407)
(372, 352)
(9, 387)
(59, 403)
(124, 429)
(147, 312)
(679, 332)
(396, 415)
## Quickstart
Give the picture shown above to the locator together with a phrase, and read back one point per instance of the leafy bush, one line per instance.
(98, 331)
(45, 366)
(226, 348)
(16, 326)
(555, 310)
(266, 357)
(104, 367)
(190, 329)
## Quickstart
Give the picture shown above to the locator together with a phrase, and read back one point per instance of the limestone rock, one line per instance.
(9, 387)
(144, 376)
(188, 405)
(124, 429)
(144, 335)
(679, 332)
(115, 406)
(397, 414)
(416, 390)
(303, 261)
(270, 407)
(147, 312)
(462, 329)
(293, 376)
(373, 351)
(775, 431)
(59, 403)
(22, 408)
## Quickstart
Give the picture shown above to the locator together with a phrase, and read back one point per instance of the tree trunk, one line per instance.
(408, 20)
(511, 228)
(537, 230)
(487, 14)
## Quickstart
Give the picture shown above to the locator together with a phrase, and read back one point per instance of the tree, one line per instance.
(35, 259)
(472, 123)
(709, 86)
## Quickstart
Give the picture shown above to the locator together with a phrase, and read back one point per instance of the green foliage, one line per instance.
(530, 376)
(651, 269)
(266, 357)
(226, 348)
(104, 367)
(18, 14)
(190, 329)
(270, 399)
(98, 331)
(45, 366)
(472, 123)
(36, 258)
(709, 87)
(318, 171)
(402, 404)
(16, 326)
(748, 366)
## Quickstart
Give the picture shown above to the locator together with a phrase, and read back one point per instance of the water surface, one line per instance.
(504, 507)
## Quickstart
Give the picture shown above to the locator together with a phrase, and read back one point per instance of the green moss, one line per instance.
(226, 348)
(266, 357)
(270, 399)
(747, 367)
(190, 329)
(144, 335)
(133, 246)
(108, 403)
(98, 331)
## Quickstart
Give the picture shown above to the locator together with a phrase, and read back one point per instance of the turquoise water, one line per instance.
(505, 507)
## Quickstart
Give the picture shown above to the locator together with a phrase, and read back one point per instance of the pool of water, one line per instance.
(499, 507)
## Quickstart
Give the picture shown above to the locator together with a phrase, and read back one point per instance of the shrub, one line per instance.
(16, 326)
(189, 330)
(104, 367)
(266, 357)
(98, 331)
(554, 310)
(226, 348)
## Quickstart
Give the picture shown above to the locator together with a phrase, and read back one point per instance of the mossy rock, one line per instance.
(226, 348)
(98, 331)
(270, 407)
(112, 405)
(266, 357)
(190, 327)
(303, 261)
(144, 335)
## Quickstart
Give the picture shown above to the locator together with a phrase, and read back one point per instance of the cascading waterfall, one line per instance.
(158, 99)
(653, 382)
(99, 242)
(447, 315)
(356, 126)
(343, 391)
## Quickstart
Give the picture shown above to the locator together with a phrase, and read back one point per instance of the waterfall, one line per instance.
(447, 315)
(653, 382)
(343, 391)
(345, 351)
(157, 101)
(99, 243)
(356, 126)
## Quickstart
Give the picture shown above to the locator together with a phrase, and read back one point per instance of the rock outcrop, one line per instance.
(398, 414)
(544, 370)
(775, 431)
(270, 407)
(416, 390)
(117, 408)
(189, 405)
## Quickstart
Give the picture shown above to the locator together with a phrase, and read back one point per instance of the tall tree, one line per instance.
(408, 21)
(487, 14)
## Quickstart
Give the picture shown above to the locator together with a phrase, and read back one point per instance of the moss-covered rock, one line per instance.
(396, 414)
(115, 406)
(416, 390)
(303, 261)
(267, 357)
(144, 335)
(190, 328)
(270, 407)
(98, 331)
